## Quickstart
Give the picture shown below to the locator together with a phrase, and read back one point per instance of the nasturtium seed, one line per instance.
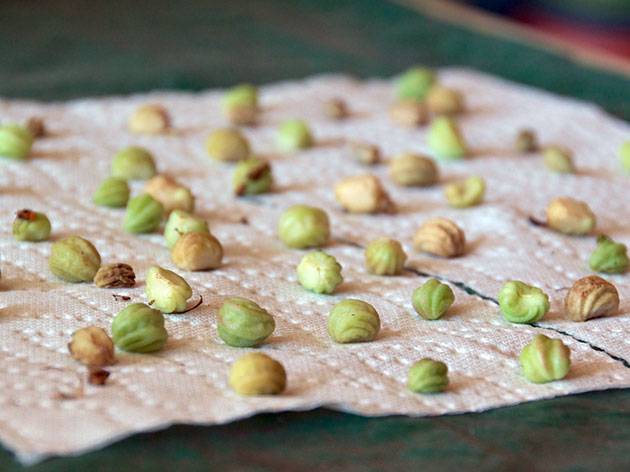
(385, 256)
(522, 303)
(74, 259)
(15, 142)
(427, 376)
(256, 374)
(432, 299)
(545, 360)
(445, 139)
(319, 272)
(609, 256)
(181, 222)
(144, 214)
(113, 192)
(133, 163)
(243, 323)
(353, 321)
(294, 135)
(31, 226)
(302, 226)
(166, 291)
(139, 328)
(466, 193)
(415, 83)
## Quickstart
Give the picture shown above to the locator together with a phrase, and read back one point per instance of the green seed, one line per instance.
(558, 159)
(227, 145)
(180, 222)
(31, 226)
(445, 139)
(144, 214)
(252, 177)
(522, 303)
(427, 376)
(609, 256)
(294, 135)
(353, 321)
(15, 142)
(303, 226)
(465, 193)
(545, 360)
(432, 299)
(74, 259)
(113, 192)
(415, 83)
(241, 95)
(242, 323)
(133, 163)
(385, 256)
(139, 328)
(319, 272)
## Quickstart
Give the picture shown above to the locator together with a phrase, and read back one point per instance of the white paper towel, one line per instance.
(45, 409)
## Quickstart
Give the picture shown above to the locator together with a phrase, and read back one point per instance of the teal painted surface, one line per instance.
(578, 433)
(55, 50)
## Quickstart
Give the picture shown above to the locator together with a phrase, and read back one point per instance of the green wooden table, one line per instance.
(56, 50)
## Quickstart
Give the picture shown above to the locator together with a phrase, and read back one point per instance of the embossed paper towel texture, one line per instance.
(186, 382)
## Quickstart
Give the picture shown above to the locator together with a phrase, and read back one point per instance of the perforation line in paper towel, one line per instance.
(187, 381)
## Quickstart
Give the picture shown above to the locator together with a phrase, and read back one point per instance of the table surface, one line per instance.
(55, 50)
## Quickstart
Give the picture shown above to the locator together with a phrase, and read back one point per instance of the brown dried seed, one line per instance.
(115, 276)
(36, 126)
(336, 109)
(92, 346)
(591, 297)
(363, 194)
(364, 153)
(243, 114)
(97, 376)
(409, 113)
(526, 141)
(441, 237)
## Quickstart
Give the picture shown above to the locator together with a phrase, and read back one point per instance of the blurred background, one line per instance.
(599, 24)
(59, 49)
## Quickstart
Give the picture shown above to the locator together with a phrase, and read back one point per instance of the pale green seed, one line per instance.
(353, 321)
(243, 323)
(545, 360)
(427, 376)
(113, 192)
(139, 328)
(445, 139)
(522, 303)
(166, 291)
(432, 299)
(319, 272)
